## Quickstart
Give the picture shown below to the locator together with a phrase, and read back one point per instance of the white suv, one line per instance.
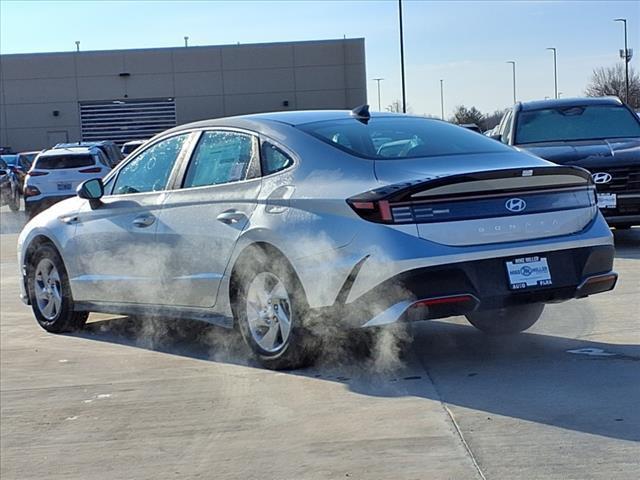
(55, 174)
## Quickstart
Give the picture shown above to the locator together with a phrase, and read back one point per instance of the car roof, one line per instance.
(57, 152)
(568, 102)
(293, 118)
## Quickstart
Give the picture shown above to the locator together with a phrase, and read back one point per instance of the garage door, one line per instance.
(124, 120)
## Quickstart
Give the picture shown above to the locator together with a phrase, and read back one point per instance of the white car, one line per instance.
(55, 174)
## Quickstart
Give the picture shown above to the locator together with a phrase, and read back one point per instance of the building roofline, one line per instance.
(180, 48)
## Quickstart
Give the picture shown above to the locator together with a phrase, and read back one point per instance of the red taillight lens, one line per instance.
(429, 302)
(374, 211)
(91, 170)
(37, 173)
(31, 192)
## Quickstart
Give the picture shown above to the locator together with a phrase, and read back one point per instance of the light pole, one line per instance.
(77, 45)
(186, 41)
(404, 98)
(513, 64)
(555, 70)
(378, 80)
(442, 98)
(626, 56)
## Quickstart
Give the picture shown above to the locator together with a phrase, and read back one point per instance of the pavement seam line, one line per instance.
(457, 428)
(462, 439)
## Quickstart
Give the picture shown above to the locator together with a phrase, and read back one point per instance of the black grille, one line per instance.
(623, 179)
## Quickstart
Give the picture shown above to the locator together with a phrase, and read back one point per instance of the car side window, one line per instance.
(220, 157)
(505, 135)
(149, 171)
(274, 159)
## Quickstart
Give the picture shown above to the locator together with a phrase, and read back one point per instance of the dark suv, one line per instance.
(599, 134)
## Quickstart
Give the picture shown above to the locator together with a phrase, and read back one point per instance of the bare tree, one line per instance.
(396, 107)
(490, 120)
(610, 81)
(463, 115)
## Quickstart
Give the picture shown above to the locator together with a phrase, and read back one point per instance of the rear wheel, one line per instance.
(14, 201)
(506, 320)
(270, 310)
(50, 293)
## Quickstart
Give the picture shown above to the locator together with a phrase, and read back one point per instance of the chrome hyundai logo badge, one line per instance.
(515, 205)
(601, 177)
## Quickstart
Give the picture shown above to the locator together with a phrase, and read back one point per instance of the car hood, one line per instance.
(589, 153)
(398, 170)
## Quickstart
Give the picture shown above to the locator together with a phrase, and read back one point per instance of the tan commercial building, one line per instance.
(121, 95)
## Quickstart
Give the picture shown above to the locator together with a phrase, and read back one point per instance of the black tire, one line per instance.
(64, 319)
(301, 346)
(14, 201)
(506, 320)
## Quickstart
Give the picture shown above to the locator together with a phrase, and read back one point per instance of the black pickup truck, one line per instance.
(599, 134)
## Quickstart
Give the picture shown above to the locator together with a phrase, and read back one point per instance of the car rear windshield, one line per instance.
(56, 162)
(401, 137)
(576, 123)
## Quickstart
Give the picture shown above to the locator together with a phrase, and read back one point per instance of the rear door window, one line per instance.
(220, 157)
(58, 162)
(274, 159)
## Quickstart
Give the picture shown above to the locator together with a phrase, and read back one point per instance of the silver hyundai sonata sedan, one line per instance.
(282, 224)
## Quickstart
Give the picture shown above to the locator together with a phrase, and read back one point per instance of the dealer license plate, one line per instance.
(64, 186)
(528, 272)
(607, 200)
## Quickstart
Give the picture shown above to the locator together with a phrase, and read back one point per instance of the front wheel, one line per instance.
(506, 320)
(50, 293)
(270, 310)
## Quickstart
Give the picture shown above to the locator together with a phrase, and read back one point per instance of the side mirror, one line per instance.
(3, 171)
(91, 190)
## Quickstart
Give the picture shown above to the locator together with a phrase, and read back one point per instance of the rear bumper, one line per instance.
(457, 289)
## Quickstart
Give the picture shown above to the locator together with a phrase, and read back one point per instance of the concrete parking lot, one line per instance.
(132, 399)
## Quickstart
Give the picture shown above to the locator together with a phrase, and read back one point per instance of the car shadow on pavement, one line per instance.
(627, 243)
(574, 384)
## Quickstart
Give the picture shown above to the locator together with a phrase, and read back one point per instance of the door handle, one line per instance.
(231, 216)
(144, 221)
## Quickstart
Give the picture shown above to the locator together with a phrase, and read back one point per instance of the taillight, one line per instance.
(37, 173)
(91, 170)
(31, 192)
(372, 210)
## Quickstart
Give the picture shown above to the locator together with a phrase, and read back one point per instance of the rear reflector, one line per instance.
(31, 192)
(597, 284)
(37, 173)
(454, 299)
(91, 170)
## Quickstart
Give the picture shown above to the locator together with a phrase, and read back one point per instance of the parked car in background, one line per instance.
(55, 174)
(599, 134)
(108, 147)
(9, 193)
(22, 166)
(287, 224)
(129, 147)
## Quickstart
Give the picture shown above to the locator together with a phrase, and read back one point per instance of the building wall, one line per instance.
(206, 82)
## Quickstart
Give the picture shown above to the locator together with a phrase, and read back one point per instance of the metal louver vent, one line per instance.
(124, 120)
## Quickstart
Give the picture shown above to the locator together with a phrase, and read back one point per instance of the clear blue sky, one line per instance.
(465, 43)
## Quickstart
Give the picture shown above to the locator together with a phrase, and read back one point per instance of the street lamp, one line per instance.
(77, 45)
(513, 64)
(186, 41)
(378, 80)
(555, 70)
(442, 98)
(404, 98)
(626, 55)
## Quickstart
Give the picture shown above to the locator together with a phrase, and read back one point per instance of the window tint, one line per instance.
(58, 162)
(274, 159)
(149, 170)
(576, 123)
(400, 137)
(220, 157)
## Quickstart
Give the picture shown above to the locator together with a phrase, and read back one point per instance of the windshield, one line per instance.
(64, 161)
(10, 159)
(575, 123)
(401, 137)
